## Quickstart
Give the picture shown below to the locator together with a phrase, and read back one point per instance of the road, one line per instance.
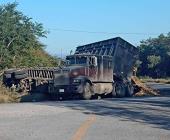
(137, 118)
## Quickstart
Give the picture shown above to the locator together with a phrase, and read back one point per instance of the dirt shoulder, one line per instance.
(164, 81)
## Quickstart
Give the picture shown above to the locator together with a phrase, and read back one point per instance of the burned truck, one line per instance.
(99, 68)
(32, 80)
(96, 69)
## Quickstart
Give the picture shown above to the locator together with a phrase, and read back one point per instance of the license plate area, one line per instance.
(61, 90)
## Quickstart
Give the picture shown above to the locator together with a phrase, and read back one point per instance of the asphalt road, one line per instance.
(138, 118)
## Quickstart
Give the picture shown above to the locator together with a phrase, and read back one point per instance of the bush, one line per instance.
(7, 96)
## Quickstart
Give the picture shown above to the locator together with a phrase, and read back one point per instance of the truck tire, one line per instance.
(87, 92)
(120, 90)
(129, 90)
(21, 76)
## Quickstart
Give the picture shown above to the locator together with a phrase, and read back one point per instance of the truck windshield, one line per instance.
(77, 60)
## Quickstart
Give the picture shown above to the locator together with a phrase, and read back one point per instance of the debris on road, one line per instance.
(143, 90)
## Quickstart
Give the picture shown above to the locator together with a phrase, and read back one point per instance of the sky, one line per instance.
(77, 22)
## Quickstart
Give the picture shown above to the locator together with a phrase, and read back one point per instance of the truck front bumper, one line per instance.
(67, 89)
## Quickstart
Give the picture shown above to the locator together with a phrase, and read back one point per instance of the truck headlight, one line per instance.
(76, 81)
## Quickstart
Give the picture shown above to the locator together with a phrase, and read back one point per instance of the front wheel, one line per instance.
(87, 92)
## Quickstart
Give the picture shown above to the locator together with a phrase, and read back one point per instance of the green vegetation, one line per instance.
(19, 40)
(7, 96)
(20, 45)
(157, 80)
(155, 57)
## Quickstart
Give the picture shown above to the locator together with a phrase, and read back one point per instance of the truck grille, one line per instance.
(61, 79)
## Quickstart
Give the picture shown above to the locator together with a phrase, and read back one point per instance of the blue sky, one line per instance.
(149, 17)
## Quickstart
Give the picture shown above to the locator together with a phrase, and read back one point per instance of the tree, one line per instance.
(155, 56)
(19, 37)
(153, 61)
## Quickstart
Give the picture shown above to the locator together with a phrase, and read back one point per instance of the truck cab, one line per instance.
(82, 73)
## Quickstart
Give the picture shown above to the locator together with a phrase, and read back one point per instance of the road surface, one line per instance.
(138, 118)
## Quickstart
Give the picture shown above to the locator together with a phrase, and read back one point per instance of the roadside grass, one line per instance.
(158, 80)
(7, 96)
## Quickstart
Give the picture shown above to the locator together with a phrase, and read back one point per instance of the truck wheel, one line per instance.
(120, 90)
(87, 93)
(129, 90)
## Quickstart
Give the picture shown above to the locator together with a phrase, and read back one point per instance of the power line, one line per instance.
(101, 32)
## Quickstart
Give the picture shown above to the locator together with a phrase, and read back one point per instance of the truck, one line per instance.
(96, 69)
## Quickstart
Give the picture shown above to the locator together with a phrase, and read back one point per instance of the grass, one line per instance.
(158, 80)
(7, 96)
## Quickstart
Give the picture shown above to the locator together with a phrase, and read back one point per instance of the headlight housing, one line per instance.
(77, 81)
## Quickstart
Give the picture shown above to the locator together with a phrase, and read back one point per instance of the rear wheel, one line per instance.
(120, 90)
(130, 90)
(87, 93)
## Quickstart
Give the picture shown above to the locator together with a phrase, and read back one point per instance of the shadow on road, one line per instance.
(152, 110)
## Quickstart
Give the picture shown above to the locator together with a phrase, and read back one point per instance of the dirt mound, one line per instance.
(143, 90)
